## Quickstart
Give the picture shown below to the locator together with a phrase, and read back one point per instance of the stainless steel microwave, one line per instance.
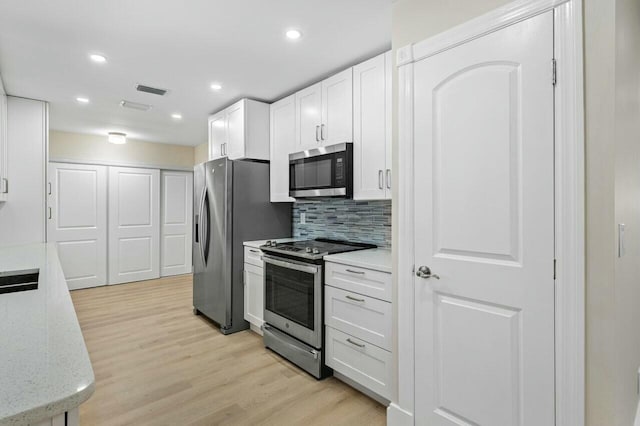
(325, 171)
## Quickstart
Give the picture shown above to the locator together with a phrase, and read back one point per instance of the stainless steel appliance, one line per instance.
(294, 295)
(231, 205)
(322, 172)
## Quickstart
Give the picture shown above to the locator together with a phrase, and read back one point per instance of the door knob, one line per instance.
(425, 272)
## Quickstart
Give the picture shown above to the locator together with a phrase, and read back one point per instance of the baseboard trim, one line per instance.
(396, 416)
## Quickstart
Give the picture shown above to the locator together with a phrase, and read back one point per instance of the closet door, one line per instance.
(77, 199)
(134, 224)
(176, 218)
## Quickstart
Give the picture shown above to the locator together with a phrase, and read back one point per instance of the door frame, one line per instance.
(569, 201)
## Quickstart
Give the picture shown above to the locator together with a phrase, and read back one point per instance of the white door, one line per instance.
(176, 218)
(77, 198)
(282, 141)
(337, 108)
(369, 129)
(217, 135)
(235, 147)
(254, 294)
(134, 224)
(308, 117)
(484, 222)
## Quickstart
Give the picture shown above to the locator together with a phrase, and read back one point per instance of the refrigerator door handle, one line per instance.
(199, 228)
(206, 225)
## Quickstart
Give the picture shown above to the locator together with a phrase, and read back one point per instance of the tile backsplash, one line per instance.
(359, 221)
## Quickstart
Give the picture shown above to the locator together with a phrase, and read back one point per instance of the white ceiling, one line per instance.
(183, 46)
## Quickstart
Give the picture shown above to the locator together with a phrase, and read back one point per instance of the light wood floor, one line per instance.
(157, 364)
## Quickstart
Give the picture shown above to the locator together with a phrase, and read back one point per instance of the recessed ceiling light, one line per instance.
(98, 58)
(216, 86)
(177, 116)
(117, 138)
(293, 34)
(82, 100)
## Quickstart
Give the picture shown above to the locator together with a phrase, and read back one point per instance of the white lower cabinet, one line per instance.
(70, 418)
(360, 361)
(253, 288)
(358, 325)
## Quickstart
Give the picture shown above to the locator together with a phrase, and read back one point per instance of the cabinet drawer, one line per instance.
(363, 317)
(252, 256)
(359, 280)
(360, 361)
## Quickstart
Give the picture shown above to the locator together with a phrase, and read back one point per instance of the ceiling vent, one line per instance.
(152, 90)
(135, 105)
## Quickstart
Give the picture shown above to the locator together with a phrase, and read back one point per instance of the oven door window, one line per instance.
(289, 293)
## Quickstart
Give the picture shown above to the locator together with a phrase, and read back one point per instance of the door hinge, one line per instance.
(554, 268)
(554, 71)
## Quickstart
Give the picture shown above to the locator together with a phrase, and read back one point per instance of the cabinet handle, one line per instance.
(49, 188)
(355, 343)
(254, 251)
(354, 298)
(355, 272)
(317, 137)
(322, 132)
(49, 212)
(380, 179)
(6, 185)
(224, 149)
(388, 178)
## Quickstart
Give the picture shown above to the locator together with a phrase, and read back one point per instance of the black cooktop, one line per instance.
(313, 249)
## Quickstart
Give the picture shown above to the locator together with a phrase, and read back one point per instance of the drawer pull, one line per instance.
(355, 272)
(254, 251)
(354, 298)
(355, 343)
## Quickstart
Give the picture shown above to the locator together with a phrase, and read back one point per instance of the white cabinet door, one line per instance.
(236, 114)
(388, 96)
(370, 129)
(77, 198)
(308, 117)
(217, 135)
(337, 108)
(254, 294)
(282, 141)
(134, 224)
(4, 174)
(176, 218)
(484, 196)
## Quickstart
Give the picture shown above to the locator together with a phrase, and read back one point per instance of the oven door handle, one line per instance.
(302, 267)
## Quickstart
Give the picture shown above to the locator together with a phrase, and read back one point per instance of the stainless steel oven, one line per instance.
(293, 298)
(322, 172)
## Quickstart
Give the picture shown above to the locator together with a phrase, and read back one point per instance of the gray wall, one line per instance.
(359, 221)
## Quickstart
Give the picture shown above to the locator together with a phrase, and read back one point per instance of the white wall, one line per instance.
(22, 217)
(90, 148)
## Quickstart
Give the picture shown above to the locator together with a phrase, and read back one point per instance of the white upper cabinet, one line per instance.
(324, 112)
(4, 178)
(240, 131)
(217, 135)
(372, 128)
(308, 117)
(283, 142)
(337, 109)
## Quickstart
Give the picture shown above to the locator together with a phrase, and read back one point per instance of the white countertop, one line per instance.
(44, 365)
(378, 259)
(258, 243)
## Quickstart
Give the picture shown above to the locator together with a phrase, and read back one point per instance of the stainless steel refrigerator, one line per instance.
(231, 205)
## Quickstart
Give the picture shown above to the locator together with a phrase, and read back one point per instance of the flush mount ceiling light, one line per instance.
(82, 100)
(98, 58)
(176, 116)
(293, 34)
(216, 86)
(117, 138)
